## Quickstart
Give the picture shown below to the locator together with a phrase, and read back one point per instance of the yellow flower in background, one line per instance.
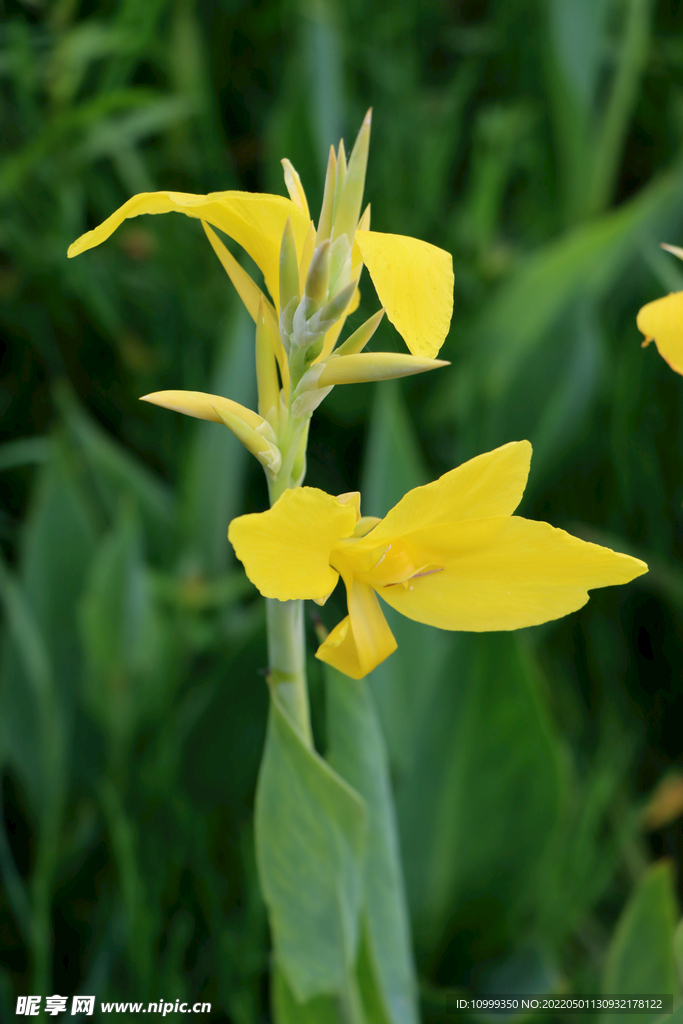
(661, 321)
(450, 554)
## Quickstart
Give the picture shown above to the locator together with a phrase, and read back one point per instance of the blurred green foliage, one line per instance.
(542, 143)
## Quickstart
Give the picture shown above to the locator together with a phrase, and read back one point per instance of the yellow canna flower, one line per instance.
(661, 321)
(450, 554)
(413, 279)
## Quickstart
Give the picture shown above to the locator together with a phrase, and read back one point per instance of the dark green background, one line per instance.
(539, 141)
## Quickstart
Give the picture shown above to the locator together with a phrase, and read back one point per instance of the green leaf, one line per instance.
(641, 955)
(671, 1018)
(678, 951)
(585, 260)
(310, 843)
(41, 663)
(128, 651)
(357, 751)
(393, 462)
(24, 451)
(287, 1010)
(115, 471)
(482, 802)
(212, 484)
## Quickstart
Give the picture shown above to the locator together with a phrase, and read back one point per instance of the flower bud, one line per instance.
(368, 366)
(266, 368)
(359, 339)
(318, 277)
(347, 210)
(289, 267)
(263, 447)
(325, 221)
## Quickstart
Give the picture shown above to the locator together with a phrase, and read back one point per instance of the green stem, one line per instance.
(287, 661)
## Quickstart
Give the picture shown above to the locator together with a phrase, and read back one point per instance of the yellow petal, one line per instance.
(285, 551)
(356, 256)
(661, 321)
(414, 282)
(487, 486)
(202, 406)
(339, 650)
(363, 639)
(294, 186)
(504, 574)
(252, 297)
(255, 221)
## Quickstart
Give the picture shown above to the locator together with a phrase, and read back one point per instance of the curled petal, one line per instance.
(256, 222)
(286, 550)
(504, 574)
(661, 321)
(363, 639)
(414, 282)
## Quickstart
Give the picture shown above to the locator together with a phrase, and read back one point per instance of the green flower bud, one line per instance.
(289, 267)
(318, 277)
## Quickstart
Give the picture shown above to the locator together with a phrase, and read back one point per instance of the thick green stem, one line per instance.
(287, 661)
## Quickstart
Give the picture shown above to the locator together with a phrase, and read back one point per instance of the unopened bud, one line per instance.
(202, 406)
(359, 339)
(266, 368)
(260, 442)
(325, 220)
(340, 178)
(318, 277)
(673, 249)
(294, 186)
(333, 309)
(289, 268)
(348, 207)
(369, 366)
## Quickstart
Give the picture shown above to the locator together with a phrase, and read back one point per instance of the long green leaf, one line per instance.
(641, 954)
(356, 750)
(216, 463)
(310, 842)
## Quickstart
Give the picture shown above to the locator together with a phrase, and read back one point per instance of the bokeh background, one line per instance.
(537, 774)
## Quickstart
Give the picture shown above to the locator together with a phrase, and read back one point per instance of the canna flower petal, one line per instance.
(487, 486)
(253, 298)
(450, 554)
(256, 222)
(502, 574)
(414, 281)
(286, 550)
(363, 639)
(661, 321)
